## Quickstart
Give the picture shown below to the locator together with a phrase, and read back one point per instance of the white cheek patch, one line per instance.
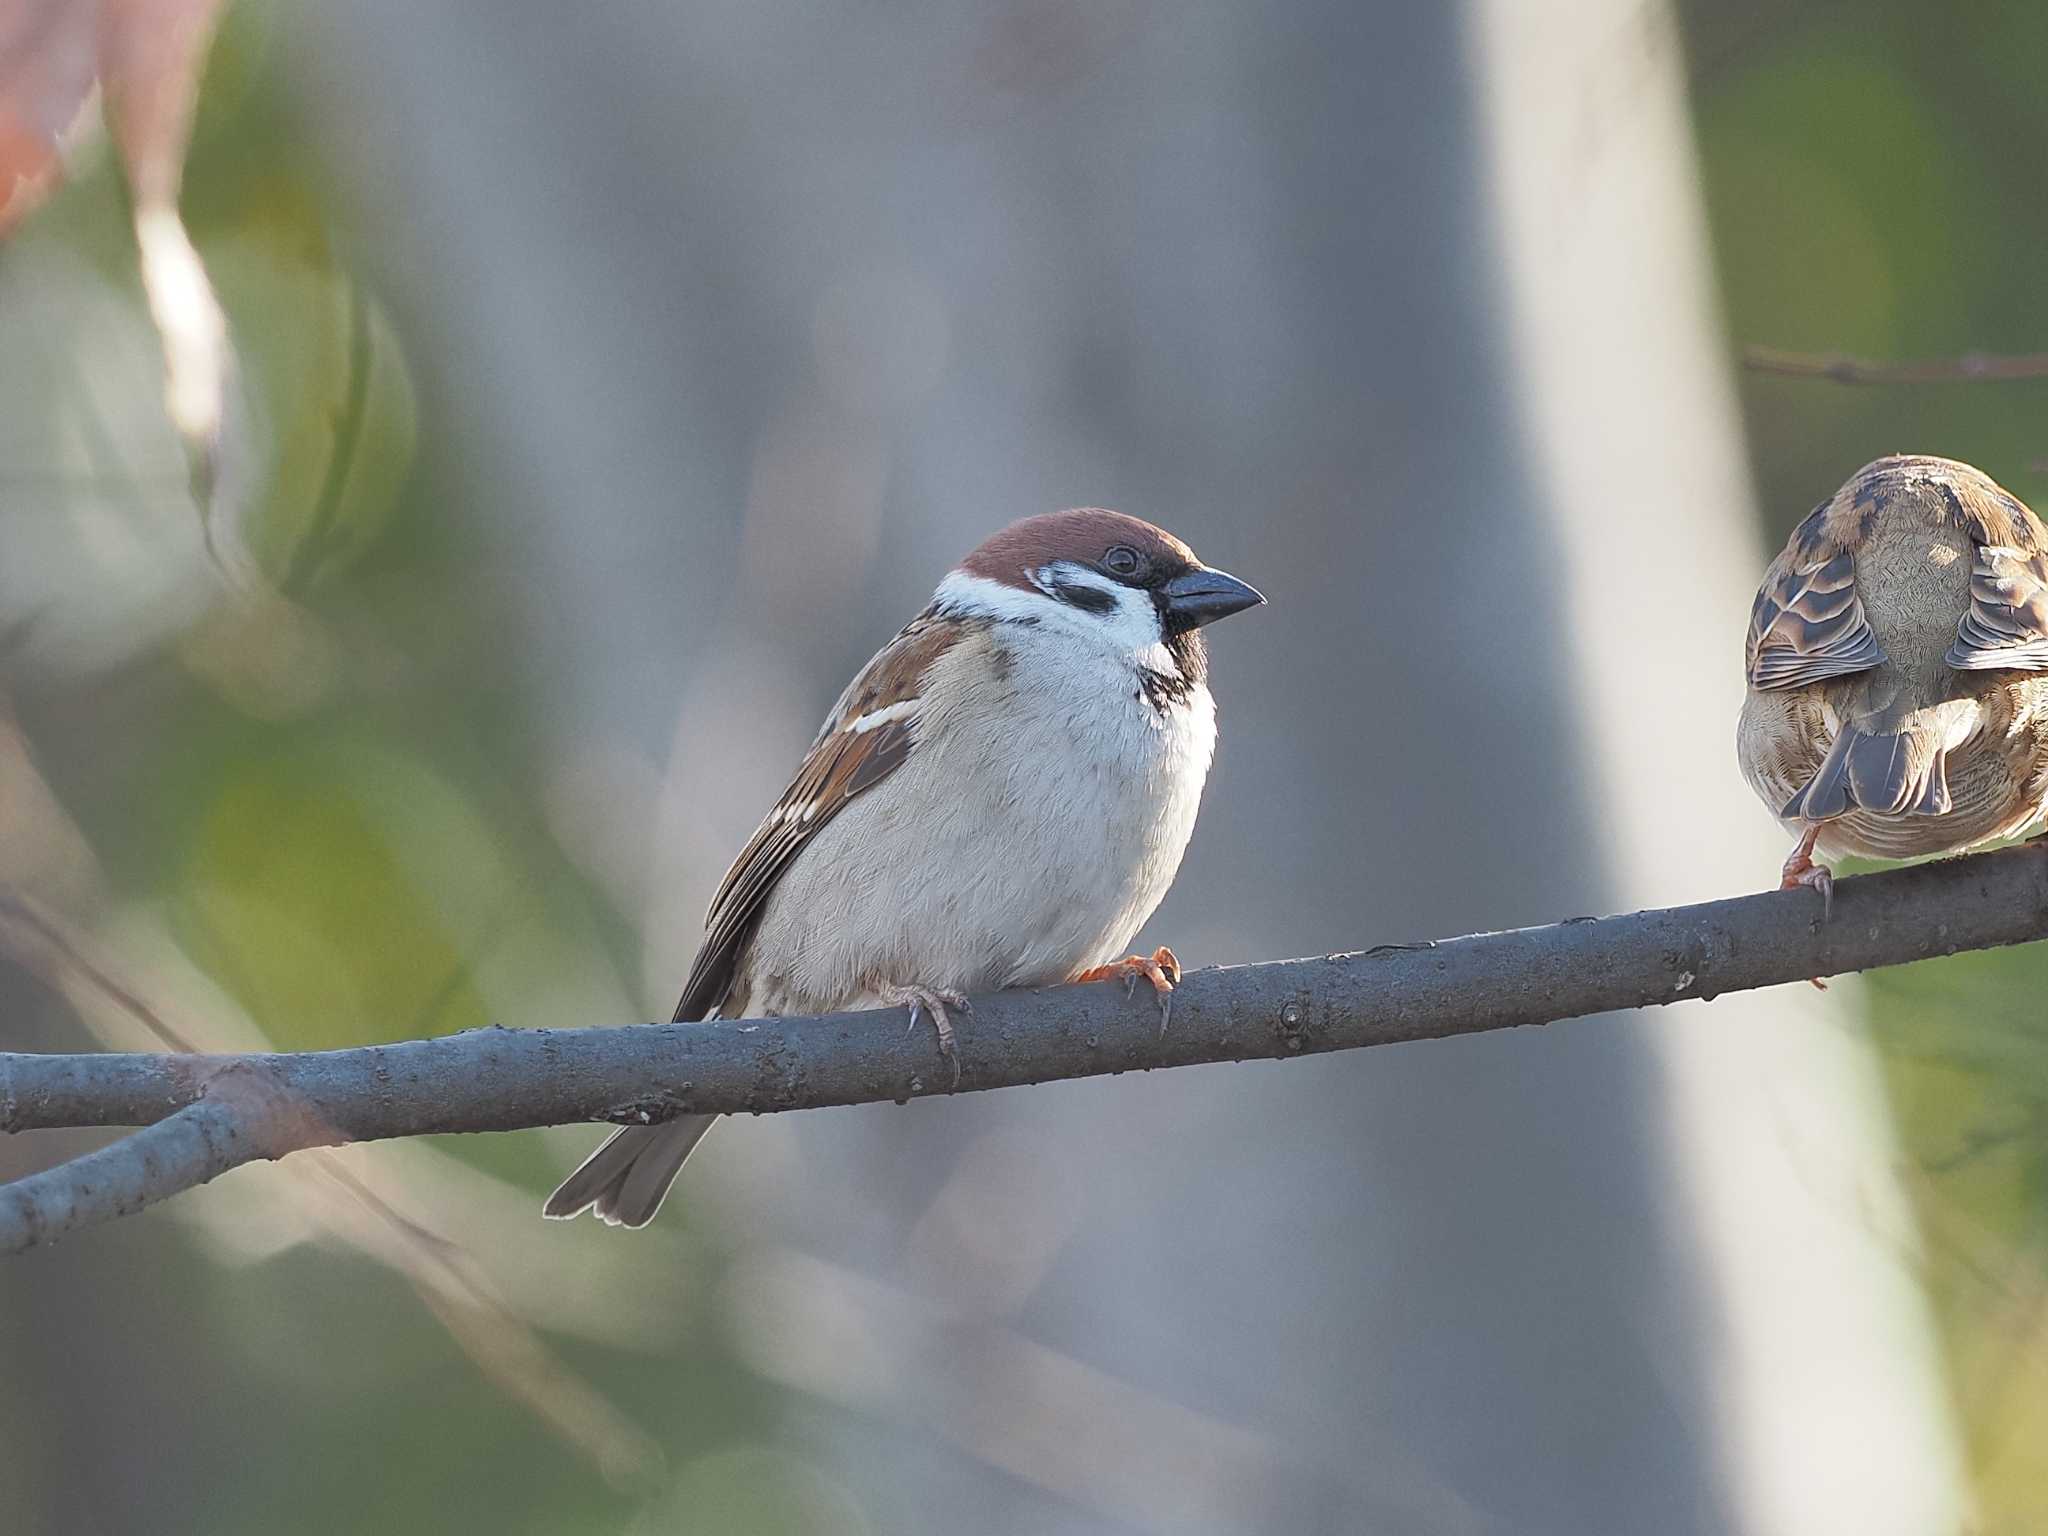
(1129, 629)
(1133, 628)
(961, 592)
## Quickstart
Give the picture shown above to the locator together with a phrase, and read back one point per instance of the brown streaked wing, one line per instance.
(841, 764)
(1808, 623)
(2007, 622)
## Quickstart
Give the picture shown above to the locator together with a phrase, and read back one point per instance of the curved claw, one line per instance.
(1161, 968)
(1816, 877)
(934, 1001)
(1801, 870)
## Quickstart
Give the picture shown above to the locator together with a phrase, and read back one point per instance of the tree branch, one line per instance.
(262, 1106)
(1971, 367)
(242, 1117)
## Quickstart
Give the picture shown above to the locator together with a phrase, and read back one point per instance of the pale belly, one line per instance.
(985, 874)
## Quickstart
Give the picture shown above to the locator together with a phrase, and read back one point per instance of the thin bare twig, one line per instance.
(1970, 368)
(511, 1079)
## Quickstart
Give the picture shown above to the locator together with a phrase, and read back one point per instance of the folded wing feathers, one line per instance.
(2006, 625)
(1809, 625)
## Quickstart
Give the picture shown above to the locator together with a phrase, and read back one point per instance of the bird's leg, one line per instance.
(1161, 968)
(934, 1001)
(1800, 869)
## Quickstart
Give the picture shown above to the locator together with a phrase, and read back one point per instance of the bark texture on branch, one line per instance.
(262, 1106)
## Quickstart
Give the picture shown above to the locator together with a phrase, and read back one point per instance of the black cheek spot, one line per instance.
(1087, 599)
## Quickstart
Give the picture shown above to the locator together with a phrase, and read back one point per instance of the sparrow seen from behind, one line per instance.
(1000, 798)
(1898, 669)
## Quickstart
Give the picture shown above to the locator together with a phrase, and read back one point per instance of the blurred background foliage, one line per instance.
(315, 786)
(321, 811)
(1873, 173)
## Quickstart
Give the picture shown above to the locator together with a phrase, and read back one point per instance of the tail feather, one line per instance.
(1892, 773)
(628, 1177)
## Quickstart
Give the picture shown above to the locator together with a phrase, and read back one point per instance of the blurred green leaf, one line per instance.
(301, 892)
(332, 410)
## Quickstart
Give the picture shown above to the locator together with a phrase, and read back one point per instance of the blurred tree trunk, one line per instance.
(1785, 1148)
(1450, 1288)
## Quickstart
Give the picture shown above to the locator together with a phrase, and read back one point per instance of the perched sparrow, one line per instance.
(999, 799)
(1898, 669)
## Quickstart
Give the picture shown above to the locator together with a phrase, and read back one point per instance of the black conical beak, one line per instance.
(1203, 596)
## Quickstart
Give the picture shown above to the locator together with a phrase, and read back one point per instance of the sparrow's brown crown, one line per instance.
(1086, 536)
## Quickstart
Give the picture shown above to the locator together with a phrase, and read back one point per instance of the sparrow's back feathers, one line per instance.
(1894, 656)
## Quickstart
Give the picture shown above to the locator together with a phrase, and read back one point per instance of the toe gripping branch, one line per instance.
(1161, 968)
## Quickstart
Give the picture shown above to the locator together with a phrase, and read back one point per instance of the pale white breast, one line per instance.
(1035, 827)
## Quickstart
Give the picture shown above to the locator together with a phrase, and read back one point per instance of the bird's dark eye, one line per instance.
(1122, 560)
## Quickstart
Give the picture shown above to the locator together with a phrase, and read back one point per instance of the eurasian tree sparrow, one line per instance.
(1898, 669)
(999, 799)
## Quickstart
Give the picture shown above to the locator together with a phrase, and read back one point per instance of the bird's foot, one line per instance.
(1800, 870)
(1816, 876)
(934, 1001)
(1161, 968)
